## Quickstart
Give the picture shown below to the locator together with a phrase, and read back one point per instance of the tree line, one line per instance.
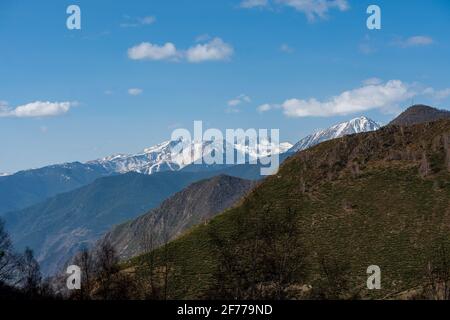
(263, 258)
(20, 275)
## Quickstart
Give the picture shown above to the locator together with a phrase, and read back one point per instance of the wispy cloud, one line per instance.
(415, 41)
(370, 96)
(313, 9)
(233, 104)
(437, 94)
(239, 100)
(135, 91)
(265, 107)
(372, 81)
(367, 45)
(286, 48)
(253, 3)
(36, 109)
(213, 50)
(137, 22)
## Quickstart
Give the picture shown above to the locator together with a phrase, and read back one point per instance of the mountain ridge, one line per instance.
(420, 114)
(355, 125)
(195, 204)
(28, 187)
(167, 156)
(62, 225)
(373, 198)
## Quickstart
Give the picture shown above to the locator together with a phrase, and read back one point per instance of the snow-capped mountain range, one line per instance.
(167, 156)
(357, 125)
(170, 155)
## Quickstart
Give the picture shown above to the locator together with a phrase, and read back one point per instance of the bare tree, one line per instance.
(32, 278)
(106, 268)
(85, 261)
(438, 275)
(8, 260)
(166, 262)
(111, 282)
(334, 281)
(262, 257)
(147, 272)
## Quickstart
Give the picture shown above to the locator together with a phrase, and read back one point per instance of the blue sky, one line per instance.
(138, 69)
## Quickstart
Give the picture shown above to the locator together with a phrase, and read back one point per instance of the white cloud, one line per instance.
(148, 51)
(234, 102)
(374, 96)
(415, 41)
(253, 3)
(36, 109)
(135, 91)
(214, 50)
(136, 22)
(313, 9)
(264, 107)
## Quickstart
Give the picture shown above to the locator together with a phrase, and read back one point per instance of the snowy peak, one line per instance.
(168, 155)
(357, 125)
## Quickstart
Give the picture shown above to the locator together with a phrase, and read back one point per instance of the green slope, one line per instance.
(378, 198)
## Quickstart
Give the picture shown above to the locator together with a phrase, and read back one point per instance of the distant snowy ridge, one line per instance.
(167, 156)
(357, 125)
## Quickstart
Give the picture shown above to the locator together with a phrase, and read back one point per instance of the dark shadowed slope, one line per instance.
(419, 114)
(197, 203)
(58, 227)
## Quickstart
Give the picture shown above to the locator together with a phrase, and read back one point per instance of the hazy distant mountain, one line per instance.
(29, 187)
(60, 226)
(419, 114)
(195, 204)
(357, 125)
